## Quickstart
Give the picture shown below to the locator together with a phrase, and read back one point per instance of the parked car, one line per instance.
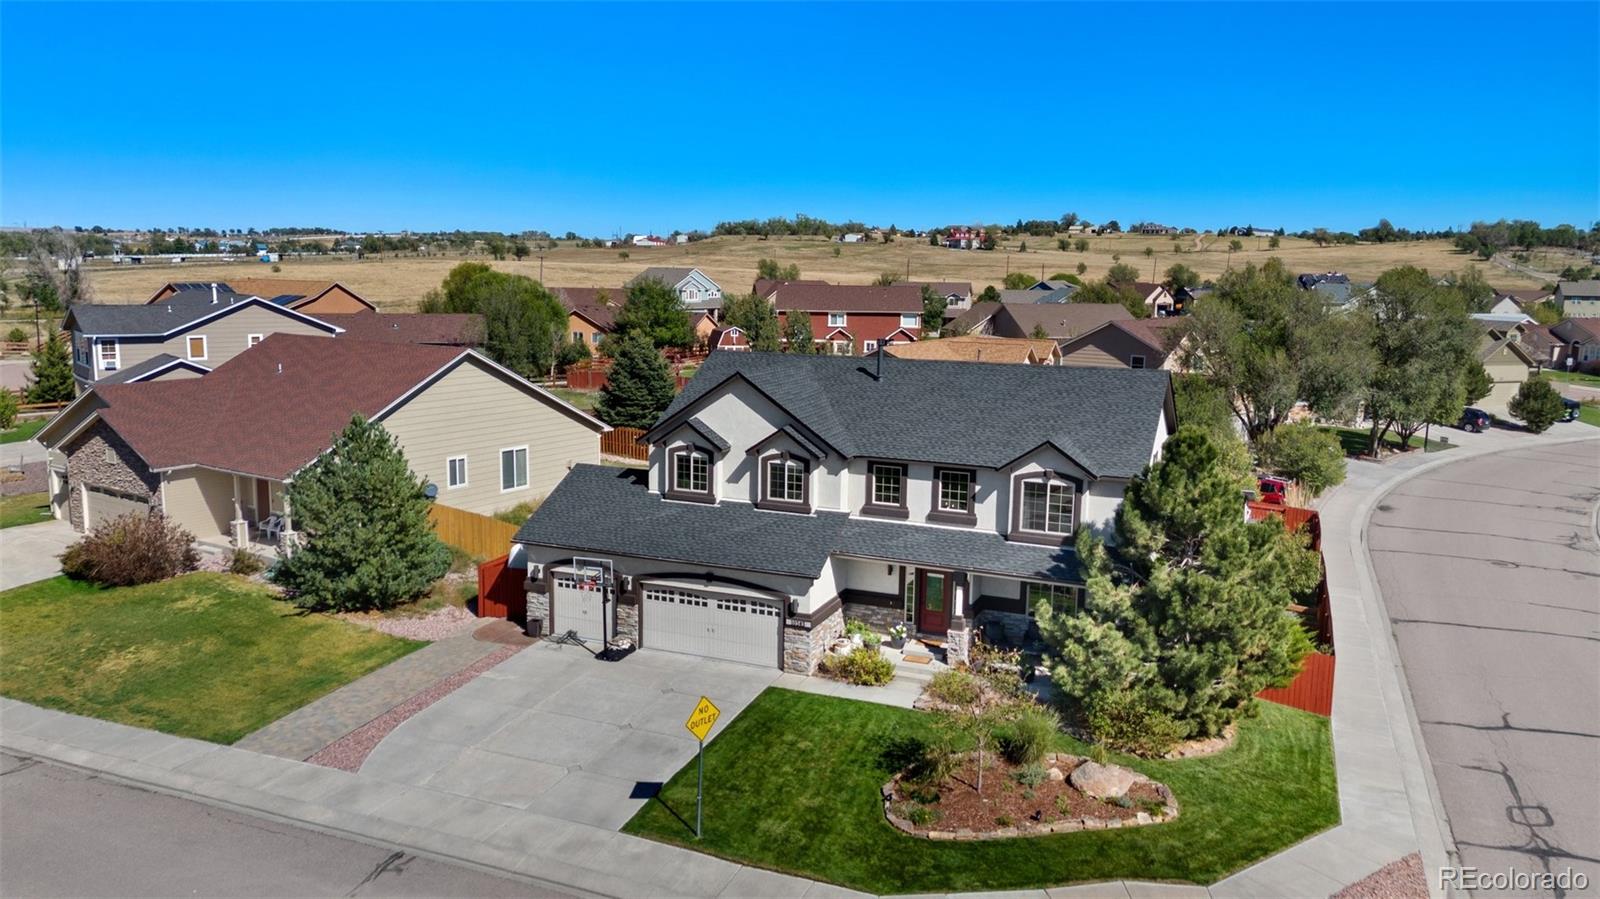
(1274, 491)
(1474, 420)
(1573, 407)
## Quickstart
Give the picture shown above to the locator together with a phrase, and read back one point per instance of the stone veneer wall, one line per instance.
(1014, 624)
(101, 458)
(628, 623)
(879, 618)
(803, 649)
(538, 596)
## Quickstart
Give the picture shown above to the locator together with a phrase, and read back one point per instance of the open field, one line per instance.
(400, 283)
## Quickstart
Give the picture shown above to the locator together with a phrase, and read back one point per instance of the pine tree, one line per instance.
(639, 387)
(369, 543)
(52, 373)
(1185, 611)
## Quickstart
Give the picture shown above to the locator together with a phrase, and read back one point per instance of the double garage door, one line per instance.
(105, 505)
(717, 625)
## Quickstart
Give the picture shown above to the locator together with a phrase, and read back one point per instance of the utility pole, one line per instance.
(541, 268)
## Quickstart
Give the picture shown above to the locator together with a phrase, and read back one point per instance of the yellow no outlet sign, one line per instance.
(700, 722)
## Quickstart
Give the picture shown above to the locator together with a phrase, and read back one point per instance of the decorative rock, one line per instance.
(1102, 781)
(941, 835)
(1143, 818)
(1055, 775)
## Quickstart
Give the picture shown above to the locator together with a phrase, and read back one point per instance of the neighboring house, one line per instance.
(1184, 298)
(694, 287)
(729, 338)
(704, 326)
(787, 492)
(1505, 306)
(1057, 321)
(591, 311)
(957, 294)
(1544, 346)
(963, 237)
(648, 240)
(1053, 285)
(1524, 297)
(1506, 360)
(852, 237)
(978, 348)
(427, 328)
(1309, 280)
(1158, 300)
(309, 297)
(1153, 228)
(1127, 343)
(850, 318)
(1581, 337)
(207, 327)
(214, 453)
(1578, 299)
(160, 367)
(1035, 294)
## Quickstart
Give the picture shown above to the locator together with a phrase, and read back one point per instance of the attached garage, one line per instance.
(105, 505)
(726, 623)
(579, 606)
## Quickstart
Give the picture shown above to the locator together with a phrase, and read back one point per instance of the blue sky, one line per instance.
(604, 118)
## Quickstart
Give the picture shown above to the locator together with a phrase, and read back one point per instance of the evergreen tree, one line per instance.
(797, 333)
(654, 310)
(52, 373)
(1537, 404)
(369, 543)
(1185, 612)
(1476, 382)
(639, 387)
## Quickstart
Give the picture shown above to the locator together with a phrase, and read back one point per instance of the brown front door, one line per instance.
(933, 601)
(263, 501)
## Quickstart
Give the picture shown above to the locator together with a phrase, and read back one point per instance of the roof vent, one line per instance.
(280, 368)
(213, 293)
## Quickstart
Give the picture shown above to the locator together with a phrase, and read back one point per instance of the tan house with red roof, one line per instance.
(591, 311)
(214, 453)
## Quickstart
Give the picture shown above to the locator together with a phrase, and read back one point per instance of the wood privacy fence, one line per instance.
(479, 535)
(624, 442)
(500, 592)
(1311, 690)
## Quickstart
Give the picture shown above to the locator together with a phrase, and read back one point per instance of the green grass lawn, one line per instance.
(211, 656)
(793, 785)
(1355, 441)
(25, 508)
(1589, 414)
(24, 430)
(583, 399)
(1574, 377)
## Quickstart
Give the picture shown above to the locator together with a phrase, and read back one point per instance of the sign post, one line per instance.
(705, 715)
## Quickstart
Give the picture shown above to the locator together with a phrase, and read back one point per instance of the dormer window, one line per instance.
(689, 474)
(785, 484)
(886, 490)
(1044, 508)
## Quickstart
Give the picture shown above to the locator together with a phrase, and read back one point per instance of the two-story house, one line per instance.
(694, 287)
(309, 297)
(848, 319)
(786, 492)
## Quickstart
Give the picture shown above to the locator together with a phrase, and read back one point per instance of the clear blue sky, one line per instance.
(612, 118)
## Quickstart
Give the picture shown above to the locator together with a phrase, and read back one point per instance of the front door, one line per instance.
(263, 500)
(933, 601)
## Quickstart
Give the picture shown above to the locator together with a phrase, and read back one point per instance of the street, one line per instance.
(66, 833)
(1490, 572)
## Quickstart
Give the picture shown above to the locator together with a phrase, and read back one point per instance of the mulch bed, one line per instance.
(1004, 801)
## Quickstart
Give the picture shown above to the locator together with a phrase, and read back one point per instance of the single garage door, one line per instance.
(104, 505)
(715, 624)
(578, 606)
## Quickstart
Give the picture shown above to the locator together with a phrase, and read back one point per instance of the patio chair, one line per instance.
(270, 527)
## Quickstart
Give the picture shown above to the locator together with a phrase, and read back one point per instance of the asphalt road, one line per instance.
(1490, 570)
(67, 833)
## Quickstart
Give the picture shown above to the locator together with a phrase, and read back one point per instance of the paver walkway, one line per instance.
(299, 734)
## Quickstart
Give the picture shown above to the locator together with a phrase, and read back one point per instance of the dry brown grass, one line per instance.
(401, 282)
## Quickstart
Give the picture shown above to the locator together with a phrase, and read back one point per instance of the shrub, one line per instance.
(1031, 775)
(1002, 820)
(519, 513)
(1064, 805)
(954, 687)
(1537, 404)
(132, 549)
(16, 335)
(1026, 738)
(276, 269)
(1303, 452)
(1121, 719)
(8, 409)
(921, 815)
(862, 666)
(244, 562)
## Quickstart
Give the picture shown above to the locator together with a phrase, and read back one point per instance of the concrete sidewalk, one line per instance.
(1386, 800)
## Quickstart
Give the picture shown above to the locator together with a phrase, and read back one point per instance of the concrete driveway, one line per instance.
(556, 731)
(1490, 572)
(30, 553)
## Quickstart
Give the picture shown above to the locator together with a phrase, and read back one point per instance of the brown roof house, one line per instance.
(1129, 343)
(426, 328)
(215, 453)
(591, 311)
(978, 348)
(1058, 321)
(309, 296)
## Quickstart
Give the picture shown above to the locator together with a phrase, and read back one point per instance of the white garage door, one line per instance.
(578, 606)
(722, 626)
(104, 505)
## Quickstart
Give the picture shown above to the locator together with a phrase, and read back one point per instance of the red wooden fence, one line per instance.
(624, 442)
(500, 593)
(1311, 689)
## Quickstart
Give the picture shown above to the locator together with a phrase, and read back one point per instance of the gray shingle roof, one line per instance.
(670, 275)
(162, 317)
(966, 413)
(153, 364)
(738, 535)
(711, 436)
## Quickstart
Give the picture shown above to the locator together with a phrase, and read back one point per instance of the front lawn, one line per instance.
(1589, 414)
(211, 656)
(583, 399)
(24, 430)
(24, 508)
(1357, 441)
(793, 782)
(1574, 377)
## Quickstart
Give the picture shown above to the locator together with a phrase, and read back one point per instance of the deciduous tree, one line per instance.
(797, 337)
(1537, 405)
(756, 318)
(654, 310)
(1422, 342)
(771, 270)
(1305, 453)
(933, 307)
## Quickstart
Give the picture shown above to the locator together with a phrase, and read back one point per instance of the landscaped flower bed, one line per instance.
(1060, 794)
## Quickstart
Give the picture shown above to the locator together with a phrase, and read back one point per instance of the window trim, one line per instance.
(99, 358)
(188, 347)
(910, 320)
(1018, 533)
(669, 480)
(251, 340)
(844, 319)
(527, 465)
(447, 472)
(1135, 360)
(1080, 593)
(969, 517)
(870, 504)
(764, 489)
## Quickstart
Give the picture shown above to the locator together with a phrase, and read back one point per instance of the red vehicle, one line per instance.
(1274, 491)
